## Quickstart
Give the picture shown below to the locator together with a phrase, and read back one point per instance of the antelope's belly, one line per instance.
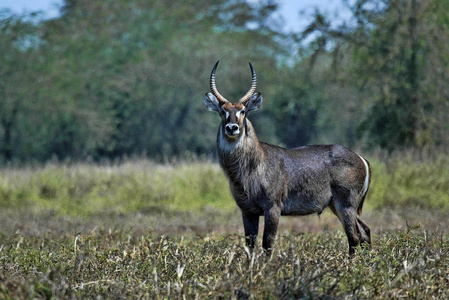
(304, 204)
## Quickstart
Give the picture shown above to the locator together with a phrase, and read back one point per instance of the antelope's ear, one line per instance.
(254, 102)
(211, 102)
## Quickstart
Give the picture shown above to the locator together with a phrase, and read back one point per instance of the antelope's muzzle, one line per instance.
(232, 129)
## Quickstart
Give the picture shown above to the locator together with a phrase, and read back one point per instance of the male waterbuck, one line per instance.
(270, 181)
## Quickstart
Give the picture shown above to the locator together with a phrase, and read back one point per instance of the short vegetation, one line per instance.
(138, 229)
(125, 264)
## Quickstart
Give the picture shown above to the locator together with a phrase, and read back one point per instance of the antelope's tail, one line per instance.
(365, 185)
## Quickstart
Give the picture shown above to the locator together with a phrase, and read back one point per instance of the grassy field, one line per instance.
(142, 230)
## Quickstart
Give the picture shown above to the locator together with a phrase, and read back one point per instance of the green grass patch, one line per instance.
(403, 182)
(88, 189)
(143, 186)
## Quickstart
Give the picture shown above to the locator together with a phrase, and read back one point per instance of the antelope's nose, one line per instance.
(232, 128)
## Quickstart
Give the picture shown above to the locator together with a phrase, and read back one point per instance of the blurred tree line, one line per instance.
(110, 79)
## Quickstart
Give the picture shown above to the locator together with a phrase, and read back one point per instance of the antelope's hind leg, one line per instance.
(364, 231)
(348, 219)
(356, 230)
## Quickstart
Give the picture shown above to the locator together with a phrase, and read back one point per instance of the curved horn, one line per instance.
(213, 87)
(252, 89)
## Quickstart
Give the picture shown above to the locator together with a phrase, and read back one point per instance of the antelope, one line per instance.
(270, 181)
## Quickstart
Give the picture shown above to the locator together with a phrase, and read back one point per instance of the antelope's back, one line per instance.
(320, 166)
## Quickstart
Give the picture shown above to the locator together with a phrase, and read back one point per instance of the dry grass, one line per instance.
(110, 263)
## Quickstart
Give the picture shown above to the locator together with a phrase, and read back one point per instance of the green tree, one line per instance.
(399, 53)
(155, 61)
(44, 110)
(18, 80)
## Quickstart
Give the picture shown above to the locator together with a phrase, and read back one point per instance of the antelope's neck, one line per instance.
(240, 157)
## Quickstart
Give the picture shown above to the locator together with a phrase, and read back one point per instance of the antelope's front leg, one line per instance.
(251, 224)
(271, 216)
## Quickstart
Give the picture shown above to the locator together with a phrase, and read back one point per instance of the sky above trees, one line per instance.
(296, 14)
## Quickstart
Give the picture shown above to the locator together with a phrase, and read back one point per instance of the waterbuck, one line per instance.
(270, 181)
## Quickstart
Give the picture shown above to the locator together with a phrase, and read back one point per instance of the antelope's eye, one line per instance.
(222, 113)
(242, 112)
